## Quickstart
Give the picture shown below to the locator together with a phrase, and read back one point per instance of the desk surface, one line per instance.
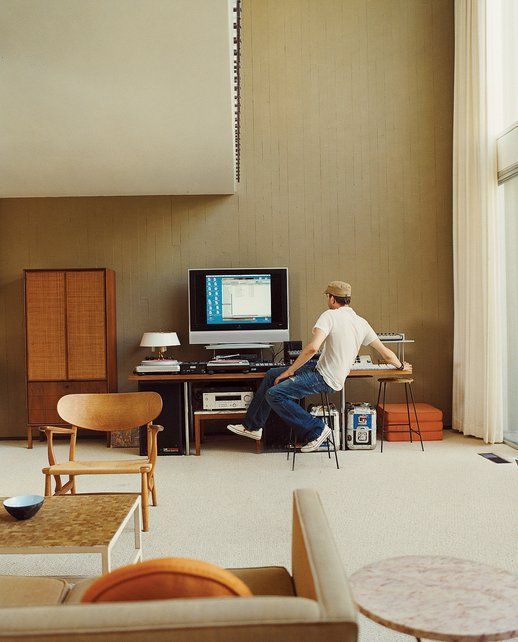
(253, 375)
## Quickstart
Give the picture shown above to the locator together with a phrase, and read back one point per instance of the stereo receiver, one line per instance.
(227, 398)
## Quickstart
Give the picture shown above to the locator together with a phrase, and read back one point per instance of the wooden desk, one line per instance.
(188, 379)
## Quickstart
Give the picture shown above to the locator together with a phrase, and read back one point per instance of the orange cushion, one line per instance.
(164, 579)
(397, 412)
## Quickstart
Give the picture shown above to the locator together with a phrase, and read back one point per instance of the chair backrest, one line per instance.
(112, 411)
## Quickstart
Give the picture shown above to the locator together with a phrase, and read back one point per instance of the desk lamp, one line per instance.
(159, 341)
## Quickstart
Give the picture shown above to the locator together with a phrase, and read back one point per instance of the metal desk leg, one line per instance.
(187, 416)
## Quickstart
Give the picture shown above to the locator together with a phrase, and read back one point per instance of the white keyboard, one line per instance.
(373, 366)
(391, 336)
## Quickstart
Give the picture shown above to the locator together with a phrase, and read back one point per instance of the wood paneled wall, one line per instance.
(346, 174)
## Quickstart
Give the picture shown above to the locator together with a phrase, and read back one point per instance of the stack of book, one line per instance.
(158, 366)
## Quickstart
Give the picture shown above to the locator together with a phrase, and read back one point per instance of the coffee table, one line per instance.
(73, 524)
(439, 598)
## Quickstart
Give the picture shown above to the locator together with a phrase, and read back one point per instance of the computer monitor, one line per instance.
(238, 305)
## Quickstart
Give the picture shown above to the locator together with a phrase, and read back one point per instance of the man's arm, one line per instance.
(387, 354)
(307, 352)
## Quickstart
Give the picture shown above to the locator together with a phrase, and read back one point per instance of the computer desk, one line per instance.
(188, 379)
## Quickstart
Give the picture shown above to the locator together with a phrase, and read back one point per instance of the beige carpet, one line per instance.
(233, 507)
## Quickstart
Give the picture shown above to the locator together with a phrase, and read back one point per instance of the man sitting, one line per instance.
(342, 332)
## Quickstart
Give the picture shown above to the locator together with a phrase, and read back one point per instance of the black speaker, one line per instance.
(288, 347)
(171, 439)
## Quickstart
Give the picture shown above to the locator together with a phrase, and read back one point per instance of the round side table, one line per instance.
(439, 598)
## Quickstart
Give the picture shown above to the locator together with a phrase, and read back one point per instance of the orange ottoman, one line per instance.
(395, 420)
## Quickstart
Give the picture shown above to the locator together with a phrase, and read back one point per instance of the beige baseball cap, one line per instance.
(338, 288)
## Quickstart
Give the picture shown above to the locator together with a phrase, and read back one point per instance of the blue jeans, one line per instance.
(282, 399)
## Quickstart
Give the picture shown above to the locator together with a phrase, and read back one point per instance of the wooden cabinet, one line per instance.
(70, 338)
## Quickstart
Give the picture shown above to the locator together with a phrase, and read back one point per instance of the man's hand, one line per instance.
(284, 375)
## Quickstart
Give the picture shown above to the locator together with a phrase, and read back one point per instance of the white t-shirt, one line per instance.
(345, 332)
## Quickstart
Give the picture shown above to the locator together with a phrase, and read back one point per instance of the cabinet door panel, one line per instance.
(86, 325)
(45, 312)
(43, 398)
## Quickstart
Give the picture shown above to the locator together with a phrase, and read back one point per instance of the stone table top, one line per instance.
(439, 598)
(66, 521)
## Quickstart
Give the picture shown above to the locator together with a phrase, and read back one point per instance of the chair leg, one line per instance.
(332, 431)
(408, 414)
(145, 502)
(72, 479)
(325, 408)
(29, 437)
(292, 445)
(48, 486)
(152, 485)
(416, 419)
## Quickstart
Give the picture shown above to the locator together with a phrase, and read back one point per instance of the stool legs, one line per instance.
(383, 411)
(326, 411)
(382, 394)
(408, 413)
(292, 445)
(416, 419)
(326, 406)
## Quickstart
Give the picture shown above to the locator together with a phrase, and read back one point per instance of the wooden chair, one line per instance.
(106, 412)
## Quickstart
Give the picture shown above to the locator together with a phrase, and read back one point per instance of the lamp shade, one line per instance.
(159, 339)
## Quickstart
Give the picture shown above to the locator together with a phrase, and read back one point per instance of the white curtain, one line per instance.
(478, 402)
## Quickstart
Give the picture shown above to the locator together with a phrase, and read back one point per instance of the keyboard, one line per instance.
(373, 366)
(391, 336)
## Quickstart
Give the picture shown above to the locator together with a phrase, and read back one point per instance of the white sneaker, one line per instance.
(315, 444)
(239, 429)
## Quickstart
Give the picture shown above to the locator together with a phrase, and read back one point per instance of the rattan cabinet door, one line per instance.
(86, 324)
(45, 319)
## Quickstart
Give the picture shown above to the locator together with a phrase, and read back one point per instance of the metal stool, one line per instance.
(330, 441)
(408, 387)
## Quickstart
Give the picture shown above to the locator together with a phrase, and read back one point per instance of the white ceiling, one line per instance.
(115, 97)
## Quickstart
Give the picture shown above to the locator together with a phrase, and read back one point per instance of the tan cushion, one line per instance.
(266, 580)
(76, 592)
(31, 591)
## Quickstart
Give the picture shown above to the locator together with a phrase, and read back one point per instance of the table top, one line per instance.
(67, 521)
(253, 375)
(439, 598)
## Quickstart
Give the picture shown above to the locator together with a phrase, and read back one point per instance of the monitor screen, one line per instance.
(239, 298)
(238, 305)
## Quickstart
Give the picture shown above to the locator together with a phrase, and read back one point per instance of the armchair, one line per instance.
(105, 412)
(312, 604)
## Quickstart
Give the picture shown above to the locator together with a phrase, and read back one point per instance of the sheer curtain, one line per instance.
(478, 402)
